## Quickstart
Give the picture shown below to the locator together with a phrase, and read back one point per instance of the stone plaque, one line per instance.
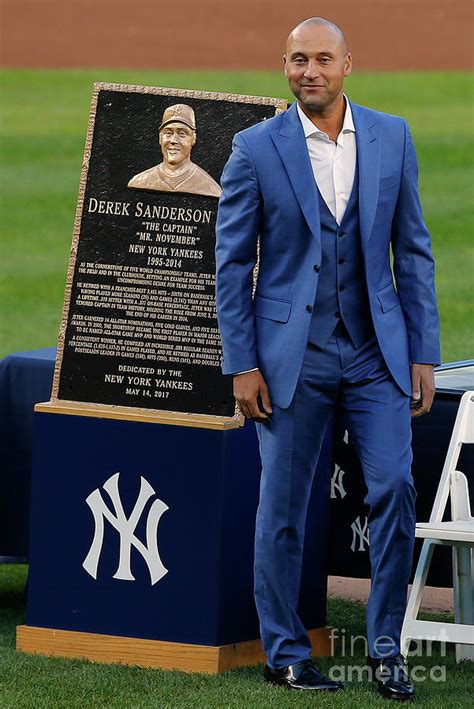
(139, 326)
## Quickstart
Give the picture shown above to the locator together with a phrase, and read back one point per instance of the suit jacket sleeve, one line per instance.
(414, 265)
(238, 225)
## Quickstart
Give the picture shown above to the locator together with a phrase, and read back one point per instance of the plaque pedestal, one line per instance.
(99, 588)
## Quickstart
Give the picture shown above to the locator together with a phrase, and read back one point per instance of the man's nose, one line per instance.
(311, 70)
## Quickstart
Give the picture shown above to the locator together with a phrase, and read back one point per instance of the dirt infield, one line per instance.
(221, 34)
(435, 600)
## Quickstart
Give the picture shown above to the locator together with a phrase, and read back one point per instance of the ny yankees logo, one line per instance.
(336, 482)
(126, 528)
(359, 531)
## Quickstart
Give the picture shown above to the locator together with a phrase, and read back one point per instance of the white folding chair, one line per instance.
(458, 533)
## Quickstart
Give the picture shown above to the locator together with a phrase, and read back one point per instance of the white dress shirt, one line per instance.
(333, 163)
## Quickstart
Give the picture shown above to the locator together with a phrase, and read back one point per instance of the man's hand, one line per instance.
(247, 387)
(422, 388)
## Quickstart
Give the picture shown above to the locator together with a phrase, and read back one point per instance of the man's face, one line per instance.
(176, 142)
(316, 62)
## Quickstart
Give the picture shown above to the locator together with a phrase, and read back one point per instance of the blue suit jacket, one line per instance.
(270, 197)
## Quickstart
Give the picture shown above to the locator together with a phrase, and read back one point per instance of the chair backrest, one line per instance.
(463, 432)
(460, 504)
(468, 435)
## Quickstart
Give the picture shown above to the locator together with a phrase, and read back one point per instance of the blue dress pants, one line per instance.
(377, 416)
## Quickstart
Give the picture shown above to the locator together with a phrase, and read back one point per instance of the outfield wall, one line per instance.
(221, 34)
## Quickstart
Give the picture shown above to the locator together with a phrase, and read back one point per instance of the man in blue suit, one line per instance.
(327, 189)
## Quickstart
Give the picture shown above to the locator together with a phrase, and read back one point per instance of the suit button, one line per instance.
(309, 308)
(342, 287)
(341, 233)
(316, 268)
(341, 261)
(337, 314)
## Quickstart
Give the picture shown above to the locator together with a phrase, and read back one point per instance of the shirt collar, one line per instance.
(311, 129)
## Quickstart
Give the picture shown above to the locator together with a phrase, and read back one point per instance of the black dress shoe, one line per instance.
(300, 675)
(391, 676)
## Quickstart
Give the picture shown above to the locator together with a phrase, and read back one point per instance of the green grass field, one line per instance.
(44, 118)
(28, 682)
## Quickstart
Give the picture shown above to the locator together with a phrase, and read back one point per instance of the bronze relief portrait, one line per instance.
(177, 172)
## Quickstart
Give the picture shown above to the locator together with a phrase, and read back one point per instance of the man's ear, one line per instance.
(348, 64)
(193, 142)
(284, 65)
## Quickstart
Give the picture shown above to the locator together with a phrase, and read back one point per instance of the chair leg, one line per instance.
(463, 582)
(416, 595)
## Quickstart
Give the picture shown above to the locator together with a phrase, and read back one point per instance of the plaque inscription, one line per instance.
(139, 325)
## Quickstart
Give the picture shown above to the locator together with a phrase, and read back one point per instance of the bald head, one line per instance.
(317, 22)
(316, 64)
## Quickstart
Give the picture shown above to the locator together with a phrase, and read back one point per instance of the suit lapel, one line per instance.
(368, 156)
(291, 145)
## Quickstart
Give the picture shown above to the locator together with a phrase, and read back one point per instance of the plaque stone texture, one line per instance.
(139, 326)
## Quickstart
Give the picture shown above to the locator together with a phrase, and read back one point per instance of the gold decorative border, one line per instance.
(279, 103)
(280, 106)
(75, 242)
(136, 413)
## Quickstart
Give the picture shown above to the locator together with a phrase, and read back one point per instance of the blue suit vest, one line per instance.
(342, 290)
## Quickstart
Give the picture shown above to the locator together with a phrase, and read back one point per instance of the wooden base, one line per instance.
(152, 653)
(129, 413)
